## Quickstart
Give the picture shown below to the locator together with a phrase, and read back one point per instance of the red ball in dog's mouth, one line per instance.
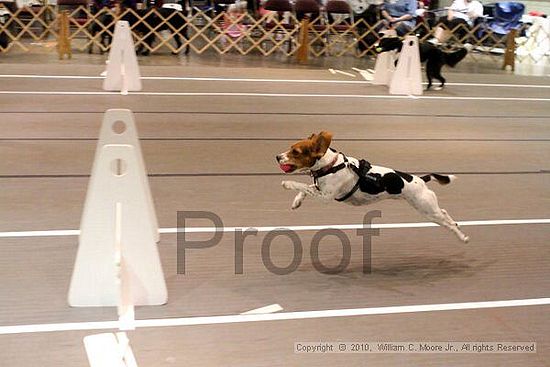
(287, 167)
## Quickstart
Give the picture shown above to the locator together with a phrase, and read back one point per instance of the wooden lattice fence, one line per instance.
(200, 32)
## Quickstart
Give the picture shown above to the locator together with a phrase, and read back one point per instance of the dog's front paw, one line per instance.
(288, 185)
(298, 199)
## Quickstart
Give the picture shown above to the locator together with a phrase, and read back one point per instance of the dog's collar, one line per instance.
(330, 168)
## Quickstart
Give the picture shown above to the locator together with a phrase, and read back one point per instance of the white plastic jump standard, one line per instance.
(117, 206)
(384, 68)
(109, 350)
(122, 69)
(119, 127)
(407, 78)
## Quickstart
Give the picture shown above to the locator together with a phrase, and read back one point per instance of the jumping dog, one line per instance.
(357, 182)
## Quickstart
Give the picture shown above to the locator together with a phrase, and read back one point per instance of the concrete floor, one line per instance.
(217, 154)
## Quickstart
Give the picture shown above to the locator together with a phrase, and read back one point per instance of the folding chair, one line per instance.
(280, 7)
(340, 19)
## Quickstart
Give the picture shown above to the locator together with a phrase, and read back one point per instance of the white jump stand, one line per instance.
(117, 198)
(407, 78)
(122, 67)
(384, 68)
(109, 350)
(117, 262)
(119, 127)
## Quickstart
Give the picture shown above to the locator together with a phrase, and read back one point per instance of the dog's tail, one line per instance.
(441, 179)
(453, 58)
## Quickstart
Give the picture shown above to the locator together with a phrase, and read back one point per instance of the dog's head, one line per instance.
(389, 44)
(304, 154)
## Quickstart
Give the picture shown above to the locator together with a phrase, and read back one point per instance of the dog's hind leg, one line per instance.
(455, 228)
(430, 78)
(441, 79)
(433, 70)
(438, 75)
(430, 66)
(426, 203)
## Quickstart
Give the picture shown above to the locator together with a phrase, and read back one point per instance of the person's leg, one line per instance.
(402, 28)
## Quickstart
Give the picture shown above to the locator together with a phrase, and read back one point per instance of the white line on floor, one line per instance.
(276, 95)
(76, 232)
(263, 80)
(299, 315)
(51, 233)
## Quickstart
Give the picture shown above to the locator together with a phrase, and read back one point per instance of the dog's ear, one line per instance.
(322, 142)
(311, 136)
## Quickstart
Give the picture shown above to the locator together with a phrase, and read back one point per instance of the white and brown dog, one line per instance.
(356, 182)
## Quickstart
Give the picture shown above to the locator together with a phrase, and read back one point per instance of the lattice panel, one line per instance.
(245, 34)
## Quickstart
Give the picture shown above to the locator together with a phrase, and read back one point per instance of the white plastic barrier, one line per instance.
(109, 350)
(117, 192)
(407, 78)
(384, 68)
(117, 263)
(119, 127)
(122, 67)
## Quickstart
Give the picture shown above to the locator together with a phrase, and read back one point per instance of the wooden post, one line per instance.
(510, 54)
(63, 40)
(303, 50)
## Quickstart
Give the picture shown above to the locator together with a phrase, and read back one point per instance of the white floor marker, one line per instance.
(266, 309)
(366, 74)
(344, 73)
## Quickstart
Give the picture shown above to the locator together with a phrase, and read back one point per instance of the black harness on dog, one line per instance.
(368, 183)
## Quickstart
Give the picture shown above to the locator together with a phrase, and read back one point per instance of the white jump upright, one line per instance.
(407, 78)
(122, 68)
(384, 68)
(117, 262)
(109, 350)
(119, 127)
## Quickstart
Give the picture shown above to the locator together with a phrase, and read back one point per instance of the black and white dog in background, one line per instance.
(434, 57)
